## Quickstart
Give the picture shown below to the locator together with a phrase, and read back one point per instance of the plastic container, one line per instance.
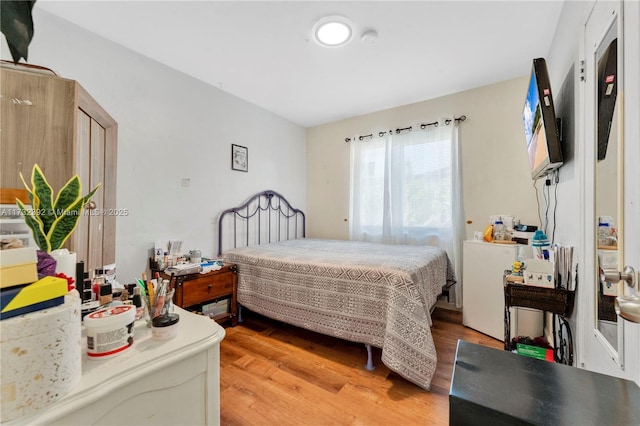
(604, 232)
(109, 331)
(195, 256)
(498, 231)
(165, 327)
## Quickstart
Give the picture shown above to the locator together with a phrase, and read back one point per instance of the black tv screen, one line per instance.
(540, 126)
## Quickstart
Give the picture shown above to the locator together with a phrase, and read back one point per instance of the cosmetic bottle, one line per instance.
(137, 302)
(105, 294)
(96, 283)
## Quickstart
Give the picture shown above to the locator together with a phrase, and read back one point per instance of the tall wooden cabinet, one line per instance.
(54, 122)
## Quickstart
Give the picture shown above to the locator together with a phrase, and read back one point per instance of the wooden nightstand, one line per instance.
(195, 291)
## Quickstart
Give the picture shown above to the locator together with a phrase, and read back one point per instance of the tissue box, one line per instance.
(44, 293)
(18, 266)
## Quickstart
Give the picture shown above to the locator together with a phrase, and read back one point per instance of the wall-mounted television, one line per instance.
(540, 125)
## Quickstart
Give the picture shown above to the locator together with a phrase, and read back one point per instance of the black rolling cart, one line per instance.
(557, 301)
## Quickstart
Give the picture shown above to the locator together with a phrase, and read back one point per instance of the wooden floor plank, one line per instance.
(276, 374)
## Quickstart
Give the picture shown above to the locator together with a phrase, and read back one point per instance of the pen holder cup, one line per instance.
(158, 306)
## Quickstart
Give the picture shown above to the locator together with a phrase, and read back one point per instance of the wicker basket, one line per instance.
(606, 310)
(555, 300)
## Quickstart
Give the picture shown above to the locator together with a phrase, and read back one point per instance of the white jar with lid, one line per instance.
(109, 331)
(195, 256)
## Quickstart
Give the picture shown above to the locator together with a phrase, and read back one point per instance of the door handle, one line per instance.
(627, 306)
(611, 275)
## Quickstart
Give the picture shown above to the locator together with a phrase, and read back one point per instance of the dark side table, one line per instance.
(495, 387)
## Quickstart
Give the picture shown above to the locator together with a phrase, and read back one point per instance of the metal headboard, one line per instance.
(266, 217)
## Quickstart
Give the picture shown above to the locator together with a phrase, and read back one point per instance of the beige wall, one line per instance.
(496, 177)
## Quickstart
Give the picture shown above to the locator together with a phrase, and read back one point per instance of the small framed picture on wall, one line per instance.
(239, 158)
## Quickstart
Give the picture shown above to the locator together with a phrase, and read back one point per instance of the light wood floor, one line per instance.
(276, 374)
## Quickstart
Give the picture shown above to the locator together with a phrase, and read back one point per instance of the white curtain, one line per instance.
(406, 189)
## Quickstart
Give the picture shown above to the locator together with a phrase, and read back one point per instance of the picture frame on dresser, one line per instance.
(239, 158)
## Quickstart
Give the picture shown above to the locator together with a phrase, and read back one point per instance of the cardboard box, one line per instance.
(44, 293)
(18, 266)
(535, 352)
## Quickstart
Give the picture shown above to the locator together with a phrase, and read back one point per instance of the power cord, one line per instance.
(535, 181)
(547, 197)
(555, 205)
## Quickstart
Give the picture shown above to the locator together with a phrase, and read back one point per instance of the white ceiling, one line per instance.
(262, 51)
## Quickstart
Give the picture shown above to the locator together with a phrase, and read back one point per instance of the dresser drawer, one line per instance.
(206, 288)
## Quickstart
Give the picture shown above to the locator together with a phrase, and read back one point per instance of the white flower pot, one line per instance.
(65, 262)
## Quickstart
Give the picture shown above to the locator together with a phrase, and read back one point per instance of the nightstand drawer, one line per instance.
(194, 292)
(207, 288)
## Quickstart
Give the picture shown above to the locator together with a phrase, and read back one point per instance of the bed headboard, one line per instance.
(264, 218)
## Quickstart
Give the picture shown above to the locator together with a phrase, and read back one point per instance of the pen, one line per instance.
(142, 288)
(160, 301)
(151, 291)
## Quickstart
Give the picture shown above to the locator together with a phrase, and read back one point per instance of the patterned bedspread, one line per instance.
(370, 293)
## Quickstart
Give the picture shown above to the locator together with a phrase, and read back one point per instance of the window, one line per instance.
(402, 188)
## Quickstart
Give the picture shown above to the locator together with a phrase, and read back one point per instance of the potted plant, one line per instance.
(16, 22)
(52, 219)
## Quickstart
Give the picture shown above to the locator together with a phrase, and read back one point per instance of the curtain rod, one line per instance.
(399, 130)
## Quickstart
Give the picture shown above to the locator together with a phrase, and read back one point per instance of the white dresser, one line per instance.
(482, 290)
(173, 382)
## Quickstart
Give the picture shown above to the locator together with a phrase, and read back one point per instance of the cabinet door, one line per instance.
(94, 239)
(96, 221)
(483, 295)
(88, 237)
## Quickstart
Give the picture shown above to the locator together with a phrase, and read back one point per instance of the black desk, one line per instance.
(494, 387)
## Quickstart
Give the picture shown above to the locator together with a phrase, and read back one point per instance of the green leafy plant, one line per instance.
(53, 220)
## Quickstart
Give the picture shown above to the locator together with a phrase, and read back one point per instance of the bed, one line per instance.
(376, 294)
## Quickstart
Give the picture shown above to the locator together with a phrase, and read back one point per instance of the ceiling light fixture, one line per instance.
(332, 31)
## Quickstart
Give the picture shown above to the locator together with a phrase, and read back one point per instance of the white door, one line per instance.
(610, 347)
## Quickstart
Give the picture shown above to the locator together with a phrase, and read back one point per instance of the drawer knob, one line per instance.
(210, 286)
